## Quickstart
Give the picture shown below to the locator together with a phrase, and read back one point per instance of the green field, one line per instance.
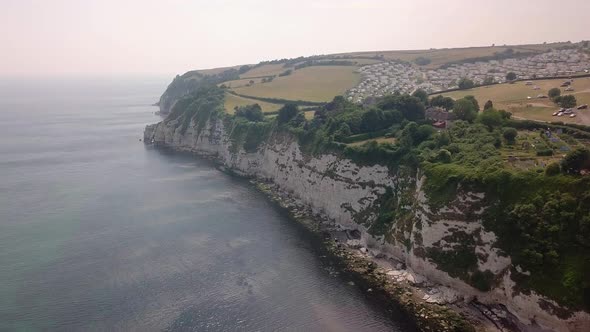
(379, 140)
(231, 101)
(514, 98)
(315, 83)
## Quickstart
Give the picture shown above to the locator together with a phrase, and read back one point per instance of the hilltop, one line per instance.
(314, 80)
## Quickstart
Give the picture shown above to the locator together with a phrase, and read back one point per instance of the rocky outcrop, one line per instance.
(428, 240)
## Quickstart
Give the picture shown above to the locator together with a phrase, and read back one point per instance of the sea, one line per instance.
(99, 232)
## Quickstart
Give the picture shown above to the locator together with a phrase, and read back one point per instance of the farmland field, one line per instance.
(240, 83)
(265, 70)
(514, 98)
(316, 83)
(442, 56)
(231, 101)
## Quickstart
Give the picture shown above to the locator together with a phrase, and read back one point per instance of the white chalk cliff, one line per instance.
(350, 193)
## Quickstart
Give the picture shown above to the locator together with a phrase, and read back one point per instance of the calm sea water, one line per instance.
(99, 232)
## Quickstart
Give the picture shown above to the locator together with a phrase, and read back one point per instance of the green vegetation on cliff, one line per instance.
(538, 200)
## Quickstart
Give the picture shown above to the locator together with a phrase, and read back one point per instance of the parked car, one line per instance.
(560, 114)
(583, 107)
(555, 113)
(568, 111)
(573, 115)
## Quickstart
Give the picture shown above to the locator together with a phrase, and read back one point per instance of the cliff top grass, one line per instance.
(514, 98)
(314, 83)
(443, 56)
(232, 101)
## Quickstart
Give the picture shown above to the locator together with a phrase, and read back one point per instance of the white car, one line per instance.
(560, 114)
(555, 113)
(573, 115)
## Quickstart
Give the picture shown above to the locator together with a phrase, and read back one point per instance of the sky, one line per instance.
(143, 37)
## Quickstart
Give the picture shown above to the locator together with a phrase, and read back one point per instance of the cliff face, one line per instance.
(428, 238)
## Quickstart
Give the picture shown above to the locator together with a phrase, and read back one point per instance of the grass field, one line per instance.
(264, 70)
(231, 101)
(240, 83)
(513, 98)
(442, 56)
(316, 83)
(378, 140)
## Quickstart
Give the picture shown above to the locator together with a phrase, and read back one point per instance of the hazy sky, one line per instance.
(105, 37)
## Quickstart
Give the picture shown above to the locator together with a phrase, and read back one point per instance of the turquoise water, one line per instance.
(99, 232)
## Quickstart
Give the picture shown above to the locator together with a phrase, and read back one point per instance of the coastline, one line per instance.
(373, 276)
(366, 273)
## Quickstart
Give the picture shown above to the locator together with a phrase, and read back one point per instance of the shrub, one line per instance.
(465, 83)
(545, 152)
(422, 61)
(286, 73)
(287, 112)
(552, 169)
(509, 135)
(576, 160)
(250, 112)
(554, 93)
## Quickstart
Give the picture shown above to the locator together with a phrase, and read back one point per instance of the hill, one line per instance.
(317, 79)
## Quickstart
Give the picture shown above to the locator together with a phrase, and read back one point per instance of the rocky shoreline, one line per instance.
(431, 308)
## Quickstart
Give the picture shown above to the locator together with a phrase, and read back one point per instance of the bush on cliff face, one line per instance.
(197, 107)
(250, 112)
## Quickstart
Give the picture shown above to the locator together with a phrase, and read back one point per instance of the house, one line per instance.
(438, 114)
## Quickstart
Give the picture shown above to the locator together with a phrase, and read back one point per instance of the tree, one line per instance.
(567, 101)
(490, 118)
(576, 160)
(411, 107)
(243, 69)
(444, 156)
(489, 80)
(554, 93)
(287, 112)
(509, 135)
(505, 114)
(372, 120)
(422, 95)
(511, 76)
(250, 112)
(465, 110)
(473, 101)
(342, 132)
(441, 101)
(488, 105)
(465, 83)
